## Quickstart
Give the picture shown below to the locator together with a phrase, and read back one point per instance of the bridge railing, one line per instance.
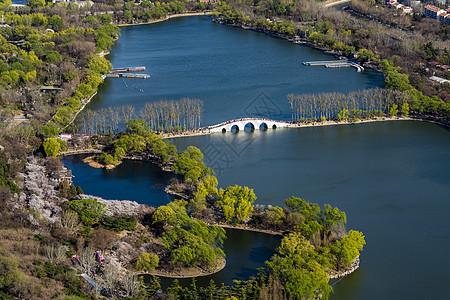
(245, 119)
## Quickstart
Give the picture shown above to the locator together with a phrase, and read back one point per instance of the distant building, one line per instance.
(395, 4)
(445, 18)
(433, 11)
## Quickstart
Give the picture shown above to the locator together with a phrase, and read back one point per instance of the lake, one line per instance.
(236, 72)
(391, 178)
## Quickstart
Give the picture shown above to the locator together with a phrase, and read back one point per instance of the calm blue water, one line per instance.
(391, 178)
(237, 73)
(23, 2)
(143, 182)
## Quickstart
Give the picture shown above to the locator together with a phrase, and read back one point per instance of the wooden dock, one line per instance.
(335, 64)
(128, 75)
(127, 72)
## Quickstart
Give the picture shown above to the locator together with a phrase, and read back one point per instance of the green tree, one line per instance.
(162, 215)
(297, 271)
(99, 64)
(4, 4)
(89, 211)
(348, 248)
(331, 218)
(36, 3)
(275, 216)
(56, 22)
(236, 202)
(394, 79)
(49, 130)
(295, 243)
(147, 262)
(53, 145)
(198, 201)
(11, 279)
(393, 111)
(190, 165)
(405, 109)
(343, 114)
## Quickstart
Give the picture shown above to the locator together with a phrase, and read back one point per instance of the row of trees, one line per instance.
(371, 42)
(163, 116)
(170, 115)
(329, 105)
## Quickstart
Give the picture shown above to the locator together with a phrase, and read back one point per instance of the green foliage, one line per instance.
(106, 159)
(393, 111)
(36, 3)
(11, 278)
(206, 187)
(190, 164)
(79, 190)
(343, 114)
(191, 242)
(52, 57)
(49, 130)
(147, 262)
(105, 36)
(393, 78)
(193, 247)
(89, 211)
(56, 22)
(275, 216)
(119, 224)
(4, 4)
(236, 202)
(365, 55)
(162, 215)
(297, 270)
(53, 145)
(5, 177)
(138, 127)
(347, 249)
(99, 64)
(39, 238)
(405, 109)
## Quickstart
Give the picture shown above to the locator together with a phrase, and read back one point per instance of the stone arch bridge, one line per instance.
(255, 123)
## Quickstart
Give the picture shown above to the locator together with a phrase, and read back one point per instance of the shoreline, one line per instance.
(189, 273)
(168, 17)
(265, 231)
(305, 125)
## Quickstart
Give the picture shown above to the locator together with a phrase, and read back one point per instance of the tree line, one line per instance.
(162, 116)
(327, 106)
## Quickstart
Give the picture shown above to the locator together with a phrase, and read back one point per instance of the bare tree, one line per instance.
(87, 260)
(55, 252)
(130, 284)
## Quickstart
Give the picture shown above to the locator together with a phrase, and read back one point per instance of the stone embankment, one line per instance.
(353, 267)
(117, 208)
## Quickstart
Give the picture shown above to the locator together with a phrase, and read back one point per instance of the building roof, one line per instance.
(432, 8)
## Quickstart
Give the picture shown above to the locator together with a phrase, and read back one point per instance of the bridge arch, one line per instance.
(263, 126)
(249, 125)
(242, 124)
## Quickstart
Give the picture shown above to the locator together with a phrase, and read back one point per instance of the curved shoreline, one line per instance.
(168, 17)
(192, 273)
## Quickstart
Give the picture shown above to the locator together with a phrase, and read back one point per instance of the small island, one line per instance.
(185, 237)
